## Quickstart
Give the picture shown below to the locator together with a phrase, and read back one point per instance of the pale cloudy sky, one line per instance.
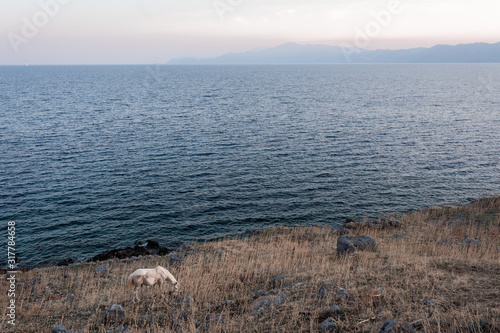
(154, 31)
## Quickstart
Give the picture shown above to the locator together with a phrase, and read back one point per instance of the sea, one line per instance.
(94, 158)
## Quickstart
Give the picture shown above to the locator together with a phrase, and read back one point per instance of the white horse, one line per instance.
(150, 277)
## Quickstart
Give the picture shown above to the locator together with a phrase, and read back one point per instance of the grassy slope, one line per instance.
(387, 283)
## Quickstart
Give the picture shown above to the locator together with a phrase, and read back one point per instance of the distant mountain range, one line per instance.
(291, 53)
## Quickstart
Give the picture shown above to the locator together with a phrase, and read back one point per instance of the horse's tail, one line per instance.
(131, 280)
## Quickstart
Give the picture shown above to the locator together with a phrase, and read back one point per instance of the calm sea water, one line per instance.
(97, 157)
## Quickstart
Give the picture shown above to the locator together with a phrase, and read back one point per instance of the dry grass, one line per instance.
(391, 282)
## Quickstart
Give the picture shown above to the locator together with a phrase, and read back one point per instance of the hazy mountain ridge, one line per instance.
(292, 53)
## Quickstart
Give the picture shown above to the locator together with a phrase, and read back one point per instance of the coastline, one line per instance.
(430, 269)
(142, 249)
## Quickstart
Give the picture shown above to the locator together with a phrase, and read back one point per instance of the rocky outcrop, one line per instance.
(148, 248)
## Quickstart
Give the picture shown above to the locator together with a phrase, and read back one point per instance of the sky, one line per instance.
(155, 31)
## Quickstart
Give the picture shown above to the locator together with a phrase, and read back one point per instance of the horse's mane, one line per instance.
(163, 271)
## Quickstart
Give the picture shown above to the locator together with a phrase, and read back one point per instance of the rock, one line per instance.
(447, 241)
(394, 326)
(329, 288)
(280, 299)
(119, 329)
(181, 316)
(335, 309)
(280, 278)
(470, 242)
(388, 326)
(115, 314)
(266, 302)
(219, 252)
(149, 248)
(380, 223)
(101, 270)
(150, 244)
(65, 262)
(401, 235)
(394, 223)
(127, 252)
(261, 292)
(348, 244)
(214, 319)
(163, 251)
(261, 303)
(325, 290)
(329, 325)
(340, 230)
(59, 329)
(62, 329)
(185, 301)
(70, 298)
(430, 302)
(342, 292)
(176, 257)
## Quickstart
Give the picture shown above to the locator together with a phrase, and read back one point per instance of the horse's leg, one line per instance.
(136, 289)
(157, 287)
(137, 294)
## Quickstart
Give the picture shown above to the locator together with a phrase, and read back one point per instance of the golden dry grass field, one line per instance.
(441, 274)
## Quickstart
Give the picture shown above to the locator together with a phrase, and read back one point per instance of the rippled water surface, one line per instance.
(97, 157)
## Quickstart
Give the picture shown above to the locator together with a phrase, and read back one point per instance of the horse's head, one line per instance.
(175, 290)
